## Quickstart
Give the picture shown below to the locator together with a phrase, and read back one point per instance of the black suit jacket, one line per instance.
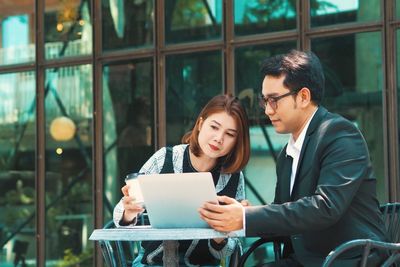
(334, 195)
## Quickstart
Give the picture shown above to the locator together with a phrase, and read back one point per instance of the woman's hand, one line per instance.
(131, 208)
(245, 203)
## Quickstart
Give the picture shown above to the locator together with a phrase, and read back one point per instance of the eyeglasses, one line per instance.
(273, 100)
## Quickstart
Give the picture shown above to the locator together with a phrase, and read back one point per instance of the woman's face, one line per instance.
(218, 135)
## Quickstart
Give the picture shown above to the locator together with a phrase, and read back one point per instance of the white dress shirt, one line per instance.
(293, 149)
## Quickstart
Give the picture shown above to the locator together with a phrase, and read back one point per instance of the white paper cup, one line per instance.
(134, 188)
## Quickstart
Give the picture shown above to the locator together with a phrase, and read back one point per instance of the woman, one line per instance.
(219, 143)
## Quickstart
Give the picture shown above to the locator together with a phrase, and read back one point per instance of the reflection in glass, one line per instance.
(127, 23)
(354, 81)
(262, 16)
(67, 28)
(192, 80)
(17, 168)
(265, 142)
(326, 12)
(192, 20)
(128, 120)
(68, 107)
(17, 32)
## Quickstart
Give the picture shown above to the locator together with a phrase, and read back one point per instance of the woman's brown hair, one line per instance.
(238, 157)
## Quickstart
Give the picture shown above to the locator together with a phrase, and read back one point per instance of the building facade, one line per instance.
(90, 89)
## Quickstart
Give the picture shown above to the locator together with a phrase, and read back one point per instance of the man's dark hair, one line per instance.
(301, 69)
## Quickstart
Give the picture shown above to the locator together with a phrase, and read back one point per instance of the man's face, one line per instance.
(286, 117)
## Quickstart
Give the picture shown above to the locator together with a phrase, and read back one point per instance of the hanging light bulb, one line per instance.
(62, 129)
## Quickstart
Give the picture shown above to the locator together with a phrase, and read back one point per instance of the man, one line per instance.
(326, 190)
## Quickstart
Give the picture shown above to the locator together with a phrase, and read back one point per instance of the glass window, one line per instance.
(69, 214)
(397, 3)
(127, 24)
(17, 168)
(265, 142)
(128, 119)
(67, 28)
(326, 12)
(192, 80)
(192, 20)
(17, 18)
(263, 16)
(353, 88)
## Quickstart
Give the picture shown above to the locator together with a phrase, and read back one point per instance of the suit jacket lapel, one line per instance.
(314, 124)
(285, 181)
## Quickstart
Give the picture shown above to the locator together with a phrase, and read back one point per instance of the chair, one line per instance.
(277, 242)
(233, 259)
(391, 217)
(117, 253)
(368, 245)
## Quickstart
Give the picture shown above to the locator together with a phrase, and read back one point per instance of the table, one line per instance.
(169, 237)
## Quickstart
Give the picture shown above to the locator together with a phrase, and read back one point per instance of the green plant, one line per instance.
(81, 260)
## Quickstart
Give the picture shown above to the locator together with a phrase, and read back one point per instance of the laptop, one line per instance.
(172, 200)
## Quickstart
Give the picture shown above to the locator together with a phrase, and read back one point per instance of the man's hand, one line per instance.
(223, 218)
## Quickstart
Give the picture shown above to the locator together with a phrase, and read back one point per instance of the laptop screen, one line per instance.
(172, 200)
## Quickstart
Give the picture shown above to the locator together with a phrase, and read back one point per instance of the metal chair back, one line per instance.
(391, 218)
(114, 251)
